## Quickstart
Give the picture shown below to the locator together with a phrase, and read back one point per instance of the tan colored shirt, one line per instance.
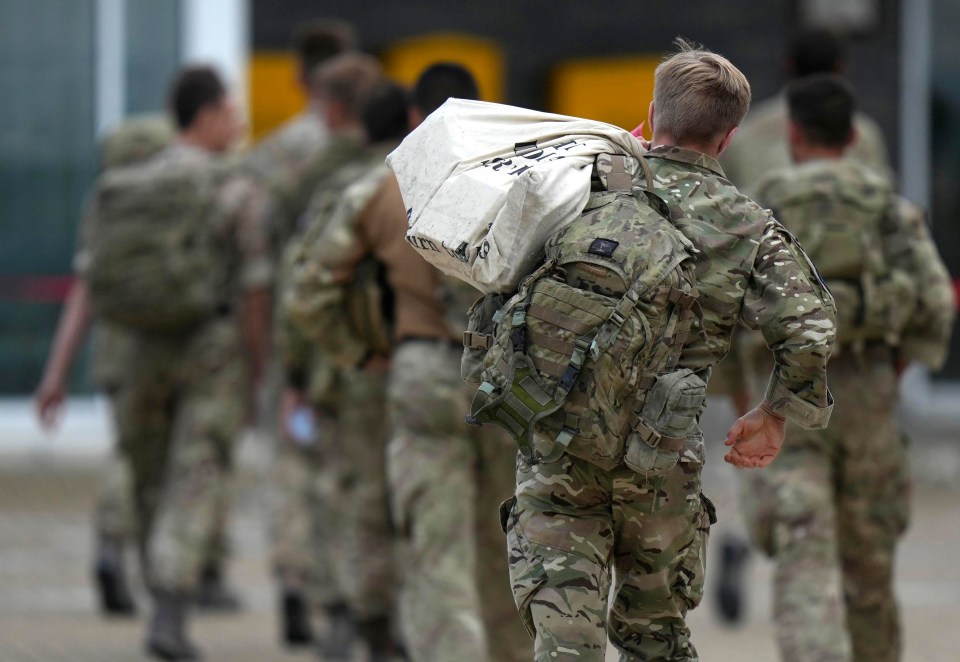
(417, 287)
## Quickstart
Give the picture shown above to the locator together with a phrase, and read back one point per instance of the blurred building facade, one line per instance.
(69, 68)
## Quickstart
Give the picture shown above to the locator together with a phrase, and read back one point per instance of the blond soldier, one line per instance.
(573, 521)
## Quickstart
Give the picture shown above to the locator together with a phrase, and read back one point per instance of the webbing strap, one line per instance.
(546, 366)
(654, 439)
(558, 345)
(559, 319)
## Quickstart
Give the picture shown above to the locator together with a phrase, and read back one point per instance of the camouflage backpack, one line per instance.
(842, 223)
(306, 291)
(154, 263)
(582, 358)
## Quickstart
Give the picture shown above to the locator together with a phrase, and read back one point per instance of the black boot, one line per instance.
(115, 598)
(167, 638)
(376, 634)
(213, 594)
(337, 646)
(734, 554)
(296, 619)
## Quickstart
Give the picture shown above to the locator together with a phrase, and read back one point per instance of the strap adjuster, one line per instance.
(474, 340)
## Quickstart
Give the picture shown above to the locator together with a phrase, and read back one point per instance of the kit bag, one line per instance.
(486, 184)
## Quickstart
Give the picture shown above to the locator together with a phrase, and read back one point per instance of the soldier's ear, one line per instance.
(725, 141)
(653, 127)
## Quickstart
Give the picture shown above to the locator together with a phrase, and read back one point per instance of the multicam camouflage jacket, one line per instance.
(924, 311)
(750, 271)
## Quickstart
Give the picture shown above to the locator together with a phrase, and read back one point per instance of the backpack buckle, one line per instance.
(474, 340)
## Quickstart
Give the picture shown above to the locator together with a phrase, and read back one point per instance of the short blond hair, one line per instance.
(698, 96)
(348, 79)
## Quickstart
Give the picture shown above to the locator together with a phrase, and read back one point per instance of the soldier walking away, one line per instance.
(760, 148)
(444, 478)
(174, 250)
(134, 141)
(833, 505)
(276, 163)
(633, 503)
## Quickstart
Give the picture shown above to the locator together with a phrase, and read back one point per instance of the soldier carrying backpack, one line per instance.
(174, 251)
(597, 361)
(831, 510)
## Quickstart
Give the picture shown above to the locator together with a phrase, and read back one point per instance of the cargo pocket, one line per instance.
(674, 402)
(644, 459)
(693, 565)
(527, 573)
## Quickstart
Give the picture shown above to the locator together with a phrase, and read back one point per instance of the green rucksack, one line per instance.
(308, 292)
(843, 228)
(582, 358)
(154, 263)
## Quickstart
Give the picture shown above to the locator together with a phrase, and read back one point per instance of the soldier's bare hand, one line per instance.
(48, 402)
(755, 438)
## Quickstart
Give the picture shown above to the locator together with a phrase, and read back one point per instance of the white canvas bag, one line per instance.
(485, 185)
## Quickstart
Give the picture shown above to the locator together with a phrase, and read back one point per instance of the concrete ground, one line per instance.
(48, 613)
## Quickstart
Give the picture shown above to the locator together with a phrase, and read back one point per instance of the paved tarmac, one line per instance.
(48, 613)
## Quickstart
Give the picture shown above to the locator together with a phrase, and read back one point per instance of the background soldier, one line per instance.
(445, 480)
(132, 142)
(832, 506)
(186, 397)
(573, 522)
(760, 148)
(276, 163)
(353, 542)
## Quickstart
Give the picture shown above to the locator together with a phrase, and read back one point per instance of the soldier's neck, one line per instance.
(668, 140)
(197, 139)
(803, 153)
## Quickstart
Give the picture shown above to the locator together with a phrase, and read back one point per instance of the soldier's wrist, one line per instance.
(767, 409)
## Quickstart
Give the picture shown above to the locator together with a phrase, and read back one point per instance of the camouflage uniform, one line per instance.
(831, 507)
(182, 403)
(759, 148)
(573, 522)
(358, 567)
(446, 481)
(274, 160)
(445, 478)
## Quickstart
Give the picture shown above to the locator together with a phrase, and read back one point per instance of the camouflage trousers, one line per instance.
(305, 518)
(829, 511)
(179, 412)
(446, 480)
(331, 522)
(572, 528)
(114, 517)
(367, 571)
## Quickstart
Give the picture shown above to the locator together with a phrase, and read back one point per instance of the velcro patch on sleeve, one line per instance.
(603, 247)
